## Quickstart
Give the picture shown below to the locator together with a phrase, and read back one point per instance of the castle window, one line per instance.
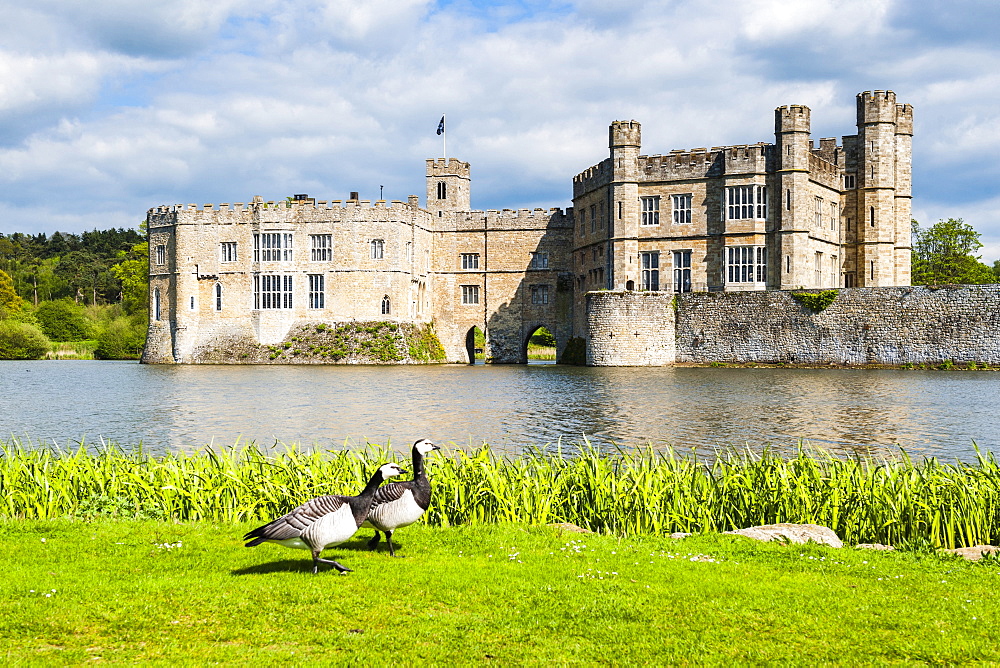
(161, 254)
(593, 218)
(600, 221)
(227, 251)
(272, 247)
(539, 294)
(320, 247)
(872, 263)
(218, 296)
(849, 279)
(650, 265)
(834, 270)
(788, 264)
(818, 269)
(788, 199)
(583, 221)
(746, 264)
(192, 302)
(850, 182)
(834, 214)
(539, 261)
(272, 292)
(871, 214)
(818, 214)
(746, 202)
(377, 249)
(682, 271)
(470, 260)
(317, 296)
(442, 190)
(470, 294)
(650, 210)
(386, 305)
(682, 208)
(156, 303)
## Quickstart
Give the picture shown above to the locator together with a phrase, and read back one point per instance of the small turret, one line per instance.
(877, 106)
(623, 134)
(448, 185)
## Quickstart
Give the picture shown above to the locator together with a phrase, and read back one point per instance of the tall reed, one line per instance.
(647, 491)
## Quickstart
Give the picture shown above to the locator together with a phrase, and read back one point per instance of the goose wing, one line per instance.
(292, 524)
(390, 492)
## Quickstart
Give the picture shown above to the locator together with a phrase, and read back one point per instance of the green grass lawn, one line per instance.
(129, 591)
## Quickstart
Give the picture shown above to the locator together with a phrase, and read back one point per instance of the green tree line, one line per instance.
(73, 295)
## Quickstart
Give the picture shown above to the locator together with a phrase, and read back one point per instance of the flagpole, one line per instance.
(444, 139)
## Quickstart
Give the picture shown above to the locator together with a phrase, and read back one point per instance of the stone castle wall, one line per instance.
(891, 325)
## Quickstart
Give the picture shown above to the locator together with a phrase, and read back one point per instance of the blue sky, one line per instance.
(113, 106)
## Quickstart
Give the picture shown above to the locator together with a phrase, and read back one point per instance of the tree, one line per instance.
(943, 253)
(63, 320)
(133, 272)
(10, 302)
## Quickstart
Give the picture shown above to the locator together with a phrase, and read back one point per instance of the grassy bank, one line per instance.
(142, 591)
(899, 502)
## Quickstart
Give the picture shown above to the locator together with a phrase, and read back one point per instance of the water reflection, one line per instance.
(510, 407)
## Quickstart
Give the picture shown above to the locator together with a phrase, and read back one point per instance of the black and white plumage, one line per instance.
(400, 504)
(323, 522)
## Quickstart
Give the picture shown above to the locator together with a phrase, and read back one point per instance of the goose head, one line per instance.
(423, 446)
(387, 471)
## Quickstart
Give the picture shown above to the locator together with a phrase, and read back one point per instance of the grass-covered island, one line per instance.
(126, 557)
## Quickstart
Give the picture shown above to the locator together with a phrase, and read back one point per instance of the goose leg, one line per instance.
(340, 567)
(373, 543)
(388, 539)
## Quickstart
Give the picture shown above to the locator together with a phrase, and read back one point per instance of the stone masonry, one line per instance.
(748, 218)
(889, 325)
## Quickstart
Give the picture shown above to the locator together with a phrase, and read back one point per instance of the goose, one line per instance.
(323, 522)
(400, 504)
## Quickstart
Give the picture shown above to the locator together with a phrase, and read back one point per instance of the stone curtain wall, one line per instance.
(630, 329)
(891, 325)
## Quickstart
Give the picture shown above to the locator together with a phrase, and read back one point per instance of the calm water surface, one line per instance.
(510, 407)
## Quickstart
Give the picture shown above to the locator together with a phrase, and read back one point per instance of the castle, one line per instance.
(752, 217)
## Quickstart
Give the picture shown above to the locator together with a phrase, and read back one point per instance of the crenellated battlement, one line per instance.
(877, 106)
(791, 118)
(704, 162)
(625, 134)
(593, 177)
(824, 172)
(447, 167)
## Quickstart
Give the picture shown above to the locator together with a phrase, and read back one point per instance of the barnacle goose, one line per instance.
(323, 522)
(400, 504)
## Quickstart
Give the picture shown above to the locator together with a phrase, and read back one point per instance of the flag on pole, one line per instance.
(441, 126)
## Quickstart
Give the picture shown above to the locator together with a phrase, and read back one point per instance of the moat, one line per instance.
(167, 408)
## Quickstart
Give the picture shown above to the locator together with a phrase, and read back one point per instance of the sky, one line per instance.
(110, 107)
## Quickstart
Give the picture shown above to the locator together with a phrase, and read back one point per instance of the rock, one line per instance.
(976, 552)
(572, 528)
(792, 533)
(874, 546)
(679, 534)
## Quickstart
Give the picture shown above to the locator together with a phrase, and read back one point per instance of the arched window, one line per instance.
(378, 249)
(218, 296)
(442, 188)
(386, 307)
(156, 303)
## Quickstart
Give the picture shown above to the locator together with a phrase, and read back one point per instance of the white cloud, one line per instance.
(135, 104)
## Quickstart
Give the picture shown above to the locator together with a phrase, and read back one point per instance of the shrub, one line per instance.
(121, 339)
(816, 301)
(63, 320)
(21, 341)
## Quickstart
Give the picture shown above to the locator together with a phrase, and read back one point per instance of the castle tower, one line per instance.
(791, 198)
(880, 241)
(624, 141)
(904, 195)
(448, 185)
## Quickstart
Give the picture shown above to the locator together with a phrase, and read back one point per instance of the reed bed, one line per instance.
(894, 501)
